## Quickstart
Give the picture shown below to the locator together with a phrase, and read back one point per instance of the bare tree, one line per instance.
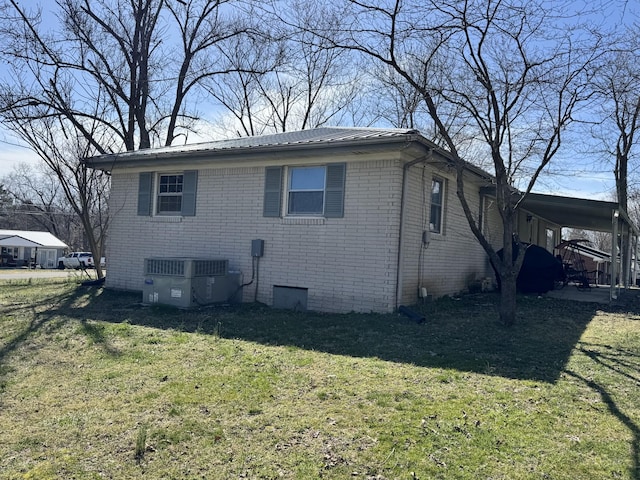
(38, 203)
(286, 80)
(399, 104)
(633, 206)
(395, 101)
(206, 36)
(618, 86)
(239, 91)
(7, 209)
(109, 79)
(515, 74)
(85, 190)
(599, 240)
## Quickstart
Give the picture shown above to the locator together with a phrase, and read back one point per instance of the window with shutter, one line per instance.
(314, 190)
(334, 194)
(174, 193)
(272, 192)
(189, 187)
(145, 193)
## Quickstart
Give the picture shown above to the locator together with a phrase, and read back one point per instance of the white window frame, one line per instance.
(290, 190)
(159, 194)
(437, 229)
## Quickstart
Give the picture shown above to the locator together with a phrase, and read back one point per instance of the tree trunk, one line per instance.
(511, 262)
(508, 300)
(621, 180)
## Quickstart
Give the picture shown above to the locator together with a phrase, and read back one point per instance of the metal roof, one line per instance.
(325, 136)
(279, 146)
(564, 211)
(582, 247)
(24, 238)
(574, 212)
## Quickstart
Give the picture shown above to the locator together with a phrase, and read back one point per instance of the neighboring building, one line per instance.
(577, 255)
(19, 248)
(351, 219)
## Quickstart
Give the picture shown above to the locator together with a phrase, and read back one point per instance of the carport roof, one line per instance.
(575, 212)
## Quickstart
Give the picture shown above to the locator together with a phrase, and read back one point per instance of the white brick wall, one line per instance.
(453, 258)
(347, 264)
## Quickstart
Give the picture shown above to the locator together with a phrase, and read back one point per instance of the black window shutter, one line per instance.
(272, 192)
(189, 188)
(145, 192)
(334, 195)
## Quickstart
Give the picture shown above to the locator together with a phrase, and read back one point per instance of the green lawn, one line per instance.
(94, 385)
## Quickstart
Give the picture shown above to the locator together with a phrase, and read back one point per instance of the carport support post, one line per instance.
(634, 260)
(622, 281)
(627, 257)
(614, 256)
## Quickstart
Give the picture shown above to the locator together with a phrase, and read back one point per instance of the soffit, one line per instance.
(572, 212)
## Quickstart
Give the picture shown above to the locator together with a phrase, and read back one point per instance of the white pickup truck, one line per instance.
(78, 260)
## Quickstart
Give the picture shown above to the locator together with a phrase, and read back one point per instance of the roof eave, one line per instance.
(143, 159)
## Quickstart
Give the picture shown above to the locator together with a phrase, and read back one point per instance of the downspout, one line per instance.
(403, 197)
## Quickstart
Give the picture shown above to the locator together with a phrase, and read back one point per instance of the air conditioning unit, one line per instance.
(189, 282)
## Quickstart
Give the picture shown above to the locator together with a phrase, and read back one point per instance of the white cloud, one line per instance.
(13, 154)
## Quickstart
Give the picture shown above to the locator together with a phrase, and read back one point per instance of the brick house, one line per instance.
(350, 219)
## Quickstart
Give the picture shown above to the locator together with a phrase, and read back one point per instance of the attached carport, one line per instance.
(599, 216)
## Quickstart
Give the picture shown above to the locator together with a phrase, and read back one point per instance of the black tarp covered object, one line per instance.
(540, 269)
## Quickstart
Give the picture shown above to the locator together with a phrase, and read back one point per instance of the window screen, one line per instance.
(306, 190)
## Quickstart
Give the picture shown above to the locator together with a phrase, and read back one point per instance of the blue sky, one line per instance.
(582, 175)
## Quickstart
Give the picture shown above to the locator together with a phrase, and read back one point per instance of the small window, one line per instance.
(167, 193)
(306, 190)
(170, 194)
(437, 204)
